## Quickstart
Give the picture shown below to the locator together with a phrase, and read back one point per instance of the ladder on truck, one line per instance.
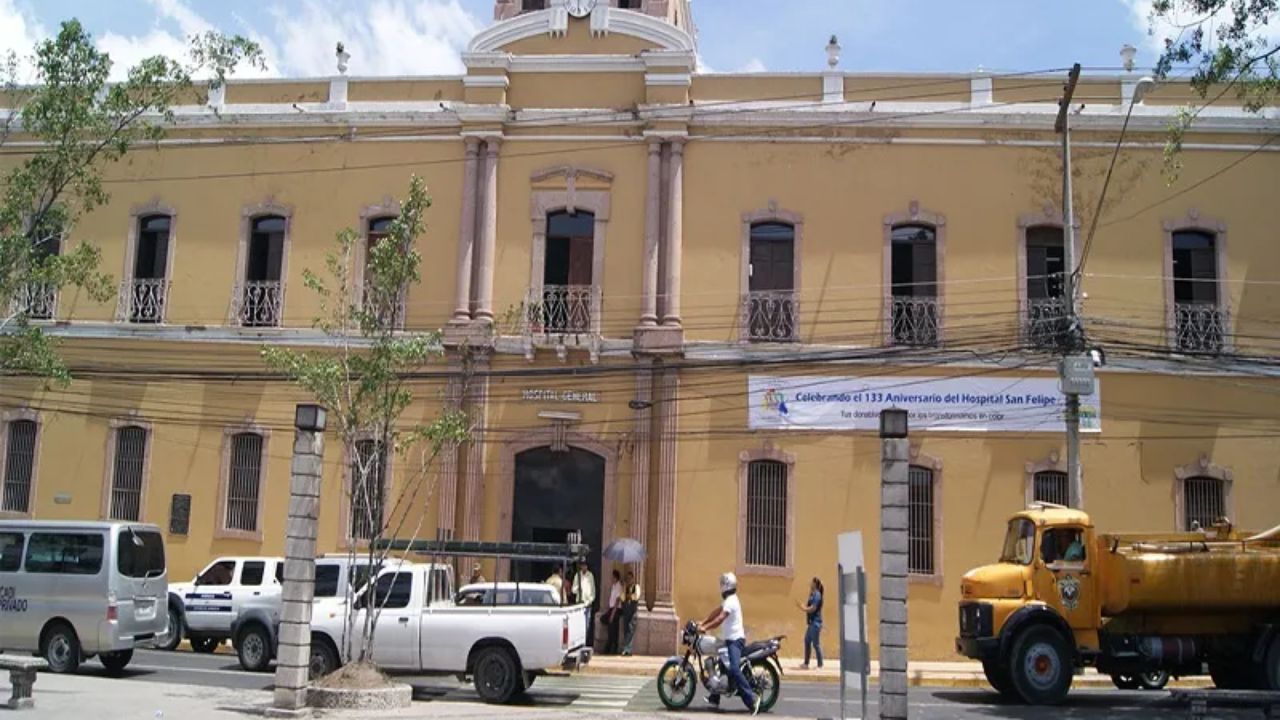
(566, 553)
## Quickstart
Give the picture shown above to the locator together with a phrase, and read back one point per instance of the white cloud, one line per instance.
(1182, 21)
(19, 32)
(170, 36)
(754, 65)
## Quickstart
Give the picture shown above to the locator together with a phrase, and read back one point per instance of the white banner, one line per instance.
(955, 404)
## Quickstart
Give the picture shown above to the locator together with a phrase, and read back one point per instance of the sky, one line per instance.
(401, 37)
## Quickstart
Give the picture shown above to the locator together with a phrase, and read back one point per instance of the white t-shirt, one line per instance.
(615, 595)
(731, 628)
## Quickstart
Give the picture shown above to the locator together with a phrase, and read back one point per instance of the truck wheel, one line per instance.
(174, 627)
(1154, 680)
(205, 645)
(61, 648)
(1125, 682)
(497, 677)
(1271, 666)
(1041, 666)
(998, 676)
(324, 657)
(254, 648)
(1229, 675)
(115, 662)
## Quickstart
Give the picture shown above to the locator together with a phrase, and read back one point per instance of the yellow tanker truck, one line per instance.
(1064, 596)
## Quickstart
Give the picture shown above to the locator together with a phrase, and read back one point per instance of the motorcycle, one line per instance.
(706, 662)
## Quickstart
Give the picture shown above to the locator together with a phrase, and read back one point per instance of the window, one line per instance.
(244, 482)
(1198, 322)
(914, 284)
(392, 590)
(65, 553)
(126, 480)
(140, 553)
(146, 292)
(1062, 545)
(368, 472)
(386, 309)
(327, 581)
(920, 527)
(38, 299)
(565, 301)
(771, 299)
(261, 294)
(1204, 502)
(1046, 309)
(219, 573)
(1051, 486)
(10, 551)
(629, 4)
(439, 587)
(766, 518)
(531, 5)
(19, 466)
(252, 572)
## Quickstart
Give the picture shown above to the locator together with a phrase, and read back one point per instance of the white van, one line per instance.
(70, 590)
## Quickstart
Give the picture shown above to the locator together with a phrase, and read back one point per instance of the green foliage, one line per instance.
(84, 124)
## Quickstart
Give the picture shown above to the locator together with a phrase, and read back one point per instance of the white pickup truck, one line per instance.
(422, 630)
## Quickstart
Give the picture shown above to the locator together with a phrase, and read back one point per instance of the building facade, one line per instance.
(672, 303)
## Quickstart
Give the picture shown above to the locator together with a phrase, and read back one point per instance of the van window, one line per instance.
(65, 553)
(10, 551)
(218, 573)
(251, 573)
(326, 581)
(140, 553)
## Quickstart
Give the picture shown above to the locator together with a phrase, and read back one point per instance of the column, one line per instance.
(477, 391)
(675, 229)
(488, 232)
(652, 233)
(466, 234)
(894, 457)
(663, 545)
(294, 653)
(447, 494)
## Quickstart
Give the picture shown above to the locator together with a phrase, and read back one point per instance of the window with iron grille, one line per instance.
(244, 482)
(126, 480)
(766, 516)
(1204, 501)
(920, 530)
(914, 284)
(1051, 486)
(19, 465)
(368, 470)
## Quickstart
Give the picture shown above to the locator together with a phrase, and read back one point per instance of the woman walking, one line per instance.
(813, 629)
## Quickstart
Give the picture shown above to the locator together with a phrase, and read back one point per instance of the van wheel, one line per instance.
(254, 648)
(497, 677)
(61, 648)
(205, 645)
(174, 622)
(115, 662)
(1041, 666)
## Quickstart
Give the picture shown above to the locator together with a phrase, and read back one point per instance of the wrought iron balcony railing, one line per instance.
(1198, 327)
(770, 316)
(1047, 325)
(36, 300)
(388, 314)
(563, 316)
(915, 320)
(142, 300)
(257, 303)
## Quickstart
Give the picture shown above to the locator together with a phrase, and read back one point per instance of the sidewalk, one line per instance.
(932, 674)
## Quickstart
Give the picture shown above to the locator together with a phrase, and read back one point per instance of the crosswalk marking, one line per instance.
(588, 693)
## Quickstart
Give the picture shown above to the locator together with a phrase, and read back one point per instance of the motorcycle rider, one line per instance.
(728, 617)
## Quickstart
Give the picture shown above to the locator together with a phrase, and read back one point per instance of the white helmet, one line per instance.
(728, 582)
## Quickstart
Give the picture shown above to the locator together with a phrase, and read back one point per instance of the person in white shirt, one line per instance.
(728, 617)
(613, 616)
(584, 591)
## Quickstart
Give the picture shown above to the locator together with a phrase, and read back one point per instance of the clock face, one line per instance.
(580, 8)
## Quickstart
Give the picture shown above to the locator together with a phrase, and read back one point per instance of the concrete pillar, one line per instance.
(675, 233)
(652, 234)
(466, 233)
(661, 626)
(485, 258)
(473, 480)
(894, 458)
(294, 653)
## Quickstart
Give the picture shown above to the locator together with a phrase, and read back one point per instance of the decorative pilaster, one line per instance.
(675, 232)
(652, 233)
(466, 234)
(488, 233)
(447, 494)
(477, 392)
(659, 628)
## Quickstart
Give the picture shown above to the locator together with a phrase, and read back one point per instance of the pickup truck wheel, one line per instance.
(324, 657)
(998, 676)
(1154, 680)
(205, 645)
(1271, 666)
(1041, 666)
(253, 647)
(497, 677)
(1125, 682)
(115, 662)
(174, 628)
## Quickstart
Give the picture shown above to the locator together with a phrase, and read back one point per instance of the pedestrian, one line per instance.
(584, 592)
(614, 617)
(476, 576)
(813, 623)
(630, 608)
(557, 581)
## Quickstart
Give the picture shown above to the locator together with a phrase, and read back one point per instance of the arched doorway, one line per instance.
(557, 493)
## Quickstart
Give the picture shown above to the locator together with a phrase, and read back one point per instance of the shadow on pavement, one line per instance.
(1080, 705)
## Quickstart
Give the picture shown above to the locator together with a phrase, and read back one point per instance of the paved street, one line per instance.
(593, 694)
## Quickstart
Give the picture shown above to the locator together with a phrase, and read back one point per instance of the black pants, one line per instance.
(615, 624)
(591, 627)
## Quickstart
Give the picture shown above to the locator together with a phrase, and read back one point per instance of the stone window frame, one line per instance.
(114, 425)
(1053, 462)
(1201, 467)
(8, 417)
(136, 214)
(915, 215)
(388, 208)
(1194, 221)
(770, 213)
(768, 451)
(346, 541)
(220, 529)
(933, 465)
(1051, 217)
(248, 214)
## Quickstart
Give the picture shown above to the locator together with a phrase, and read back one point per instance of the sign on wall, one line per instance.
(953, 404)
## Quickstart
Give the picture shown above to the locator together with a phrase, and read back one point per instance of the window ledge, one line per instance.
(225, 534)
(14, 515)
(766, 570)
(935, 580)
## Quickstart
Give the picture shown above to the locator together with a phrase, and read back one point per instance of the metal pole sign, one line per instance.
(855, 655)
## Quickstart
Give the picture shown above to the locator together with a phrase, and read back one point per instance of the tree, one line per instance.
(360, 377)
(80, 124)
(1233, 46)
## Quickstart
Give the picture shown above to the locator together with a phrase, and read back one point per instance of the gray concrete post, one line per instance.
(294, 654)
(894, 458)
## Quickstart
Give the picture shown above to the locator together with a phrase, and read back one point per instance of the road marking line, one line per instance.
(207, 671)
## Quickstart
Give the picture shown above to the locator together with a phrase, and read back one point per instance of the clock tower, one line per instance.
(676, 12)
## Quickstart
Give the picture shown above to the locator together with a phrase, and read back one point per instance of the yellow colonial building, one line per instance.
(673, 303)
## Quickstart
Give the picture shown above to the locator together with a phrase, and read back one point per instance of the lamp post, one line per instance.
(293, 658)
(893, 563)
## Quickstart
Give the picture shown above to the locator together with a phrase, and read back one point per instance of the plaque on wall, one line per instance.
(179, 514)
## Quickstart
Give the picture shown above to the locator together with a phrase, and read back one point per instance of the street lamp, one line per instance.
(893, 423)
(309, 418)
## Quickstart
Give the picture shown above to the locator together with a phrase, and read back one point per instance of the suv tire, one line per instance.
(253, 647)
